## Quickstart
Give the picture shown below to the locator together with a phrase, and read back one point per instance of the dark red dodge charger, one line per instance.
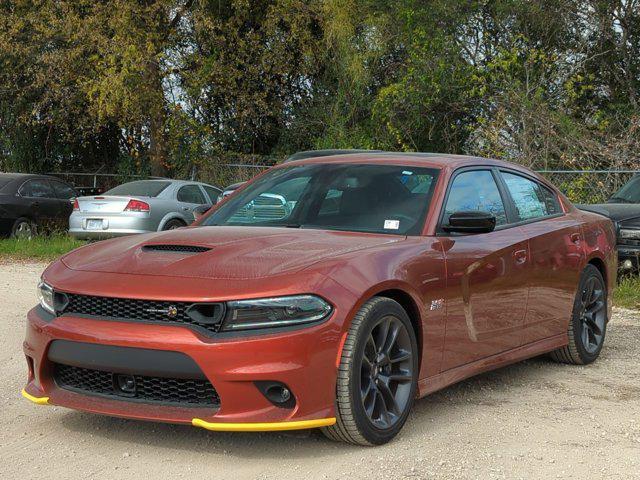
(328, 292)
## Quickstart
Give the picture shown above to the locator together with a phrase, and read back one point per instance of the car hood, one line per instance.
(235, 252)
(619, 212)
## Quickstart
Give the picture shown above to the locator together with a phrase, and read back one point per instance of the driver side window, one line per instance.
(475, 190)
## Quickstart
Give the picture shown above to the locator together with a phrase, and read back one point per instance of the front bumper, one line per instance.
(304, 360)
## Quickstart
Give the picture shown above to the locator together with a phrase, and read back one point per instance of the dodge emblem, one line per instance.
(171, 311)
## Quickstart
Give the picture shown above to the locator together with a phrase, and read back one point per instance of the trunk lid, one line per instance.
(104, 204)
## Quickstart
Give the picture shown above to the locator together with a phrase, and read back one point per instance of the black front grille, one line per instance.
(160, 390)
(177, 248)
(147, 310)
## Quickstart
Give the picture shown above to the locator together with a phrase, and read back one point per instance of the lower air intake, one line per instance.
(157, 390)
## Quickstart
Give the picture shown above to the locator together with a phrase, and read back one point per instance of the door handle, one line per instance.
(575, 238)
(186, 209)
(520, 256)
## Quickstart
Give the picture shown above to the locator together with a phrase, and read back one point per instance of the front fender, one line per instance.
(412, 272)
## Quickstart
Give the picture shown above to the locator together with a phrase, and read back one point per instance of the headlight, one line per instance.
(626, 233)
(275, 312)
(45, 295)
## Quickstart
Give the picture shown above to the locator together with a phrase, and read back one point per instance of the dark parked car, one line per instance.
(31, 202)
(624, 209)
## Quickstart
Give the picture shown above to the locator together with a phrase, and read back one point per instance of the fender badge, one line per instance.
(171, 311)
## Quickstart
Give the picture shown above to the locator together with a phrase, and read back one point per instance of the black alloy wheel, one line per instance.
(386, 372)
(593, 315)
(588, 324)
(377, 376)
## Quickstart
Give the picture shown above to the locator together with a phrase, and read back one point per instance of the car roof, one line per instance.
(435, 160)
(174, 182)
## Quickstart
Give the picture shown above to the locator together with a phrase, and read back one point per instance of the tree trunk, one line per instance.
(158, 148)
(158, 152)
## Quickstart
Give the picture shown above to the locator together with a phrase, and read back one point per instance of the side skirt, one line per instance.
(438, 382)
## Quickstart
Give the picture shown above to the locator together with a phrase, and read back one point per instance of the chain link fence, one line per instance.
(580, 186)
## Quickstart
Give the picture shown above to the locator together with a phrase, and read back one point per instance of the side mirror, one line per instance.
(471, 222)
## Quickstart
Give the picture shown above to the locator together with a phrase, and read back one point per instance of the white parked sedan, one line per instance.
(139, 207)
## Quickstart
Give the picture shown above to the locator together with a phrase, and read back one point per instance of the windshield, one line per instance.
(141, 188)
(629, 193)
(350, 197)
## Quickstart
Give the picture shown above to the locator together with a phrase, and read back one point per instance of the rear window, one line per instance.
(141, 188)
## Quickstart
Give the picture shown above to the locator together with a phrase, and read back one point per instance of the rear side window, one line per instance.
(64, 191)
(191, 194)
(37, 189)
(475, 190)
(532, 200)
(140, 188)
(212, 192)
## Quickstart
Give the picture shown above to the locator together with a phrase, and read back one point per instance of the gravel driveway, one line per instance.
(535, 419)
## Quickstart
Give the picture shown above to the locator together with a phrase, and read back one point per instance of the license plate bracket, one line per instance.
(94, 224)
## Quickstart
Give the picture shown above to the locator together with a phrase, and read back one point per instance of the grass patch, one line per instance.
(627, 294)
(38, 248)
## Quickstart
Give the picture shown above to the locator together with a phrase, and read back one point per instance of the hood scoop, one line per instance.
(176, 248)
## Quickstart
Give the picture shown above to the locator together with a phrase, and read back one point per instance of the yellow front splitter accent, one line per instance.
(263, 427)
(36, 400)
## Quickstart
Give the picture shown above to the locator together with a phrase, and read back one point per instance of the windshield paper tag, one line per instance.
(391, 224)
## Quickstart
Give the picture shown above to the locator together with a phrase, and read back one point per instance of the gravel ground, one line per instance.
(535, 419)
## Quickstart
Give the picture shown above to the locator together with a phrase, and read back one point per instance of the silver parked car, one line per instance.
(139, 207)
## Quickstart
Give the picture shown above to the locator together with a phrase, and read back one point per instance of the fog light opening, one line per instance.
(277, 393)
(627, 265)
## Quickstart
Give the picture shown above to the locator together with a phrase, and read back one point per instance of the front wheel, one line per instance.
(377, 376)
(588, 324)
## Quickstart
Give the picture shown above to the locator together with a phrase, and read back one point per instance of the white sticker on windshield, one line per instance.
(391, 224)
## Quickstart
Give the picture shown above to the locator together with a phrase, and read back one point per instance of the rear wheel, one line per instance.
(588, 325)
(173, 224)
(377, 376)
(23, 228)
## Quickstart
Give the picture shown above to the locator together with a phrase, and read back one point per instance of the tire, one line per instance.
(588, 324)
(23, 228)
(388, 381)
(173, 224)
